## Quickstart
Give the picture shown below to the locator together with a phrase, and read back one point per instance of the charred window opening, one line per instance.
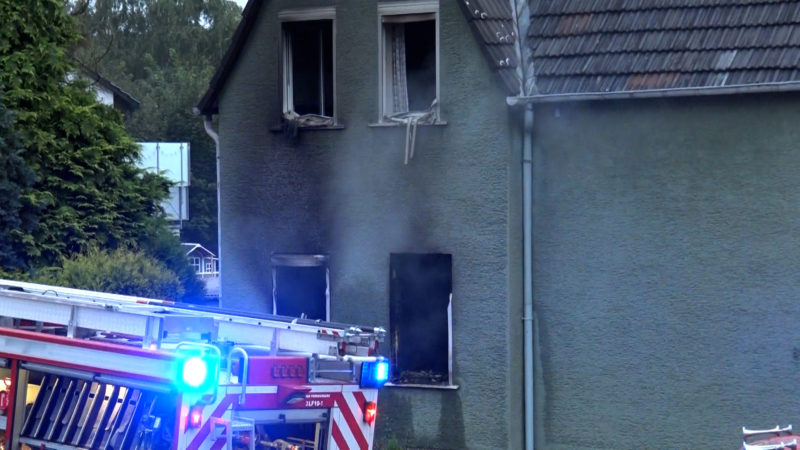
(420, 317)
(308, 68)
(300, 286)
(410, 81)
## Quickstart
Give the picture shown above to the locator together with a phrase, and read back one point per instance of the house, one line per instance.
(628, 170)
(110, 94)
(206, 266)
(203, 260)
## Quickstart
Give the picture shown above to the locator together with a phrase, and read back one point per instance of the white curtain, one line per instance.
(288, 74)
(399, 84)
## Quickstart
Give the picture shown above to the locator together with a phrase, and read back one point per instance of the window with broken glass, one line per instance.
(301, 286)
(420, 317)
(409, 67)
(308, 98)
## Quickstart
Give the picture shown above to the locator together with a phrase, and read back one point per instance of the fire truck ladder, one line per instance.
(99, 409)
(156, 324)
(769, 439)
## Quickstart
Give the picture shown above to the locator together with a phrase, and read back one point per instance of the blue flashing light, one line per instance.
(197, 370)
(382, 372)
(374, 374)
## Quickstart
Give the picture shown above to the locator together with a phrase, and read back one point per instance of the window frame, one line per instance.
(423, 8)
(306, 15)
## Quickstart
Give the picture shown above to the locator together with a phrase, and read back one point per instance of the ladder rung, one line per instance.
(777, 430)
(771, 446)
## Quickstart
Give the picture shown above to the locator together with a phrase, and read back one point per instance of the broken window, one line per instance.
(410, 79)
(308, 72)
(300, 286)
(420, 317)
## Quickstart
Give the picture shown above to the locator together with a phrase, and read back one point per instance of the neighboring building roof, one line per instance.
(127, 102)
(601, 46)
(209, 103)
(190, 248)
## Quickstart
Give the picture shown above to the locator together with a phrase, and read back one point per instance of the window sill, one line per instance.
(280, 129)
(438, 123)
(441, 387)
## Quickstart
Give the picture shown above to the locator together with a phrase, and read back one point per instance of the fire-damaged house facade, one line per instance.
(600, 224)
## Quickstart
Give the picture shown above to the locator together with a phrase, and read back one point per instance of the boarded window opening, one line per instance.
(308, 67)
(420, 292)
(300, 286)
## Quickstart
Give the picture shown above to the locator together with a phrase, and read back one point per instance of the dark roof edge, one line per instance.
(108, 84)
(787, 86)
(208, 103)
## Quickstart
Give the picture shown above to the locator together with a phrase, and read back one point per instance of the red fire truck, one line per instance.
(83, 369)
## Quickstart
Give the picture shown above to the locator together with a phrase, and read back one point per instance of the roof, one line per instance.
(604, 47)
(209, 104)
(492, 22)
(190, 248)
(624, 46)
(120, 95)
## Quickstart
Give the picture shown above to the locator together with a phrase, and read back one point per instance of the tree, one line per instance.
(88, 191)
(17, 218)
(164, 52)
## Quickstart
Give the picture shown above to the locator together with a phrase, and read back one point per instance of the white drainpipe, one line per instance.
(207, 124)
(527, 276)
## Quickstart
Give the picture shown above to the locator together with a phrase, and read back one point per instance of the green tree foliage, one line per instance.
(117, 271)
(17, 215)
(89, 190)
(164, 53)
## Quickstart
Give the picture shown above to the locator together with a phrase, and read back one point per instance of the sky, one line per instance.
(241, 2)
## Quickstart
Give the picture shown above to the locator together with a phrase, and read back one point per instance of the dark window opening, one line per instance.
(421, 64)
(410, 66)
(419, 317)
(300, 286)
(309, 67)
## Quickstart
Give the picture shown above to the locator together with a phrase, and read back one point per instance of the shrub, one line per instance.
(118, 271)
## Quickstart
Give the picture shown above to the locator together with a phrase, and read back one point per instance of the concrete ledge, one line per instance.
(444, 387)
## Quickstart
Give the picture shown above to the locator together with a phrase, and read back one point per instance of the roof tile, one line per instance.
(586, 46)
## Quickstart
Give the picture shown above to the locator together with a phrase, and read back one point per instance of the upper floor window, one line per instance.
(308, 66)
(409, 66)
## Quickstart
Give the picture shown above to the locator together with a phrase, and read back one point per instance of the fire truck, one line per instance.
(89, 370)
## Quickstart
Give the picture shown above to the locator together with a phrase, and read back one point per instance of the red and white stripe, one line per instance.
(347, 428)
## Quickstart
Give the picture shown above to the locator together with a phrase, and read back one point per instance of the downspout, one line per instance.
(527, 275)
(207, 124)
(526, 76)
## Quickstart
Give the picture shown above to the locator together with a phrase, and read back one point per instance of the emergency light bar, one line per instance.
(374, 374)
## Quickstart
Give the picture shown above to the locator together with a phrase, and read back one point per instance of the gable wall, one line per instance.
(346, 193)
(666, 270)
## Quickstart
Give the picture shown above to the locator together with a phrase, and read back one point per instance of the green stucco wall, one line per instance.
(667, 270)
(348, 194)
